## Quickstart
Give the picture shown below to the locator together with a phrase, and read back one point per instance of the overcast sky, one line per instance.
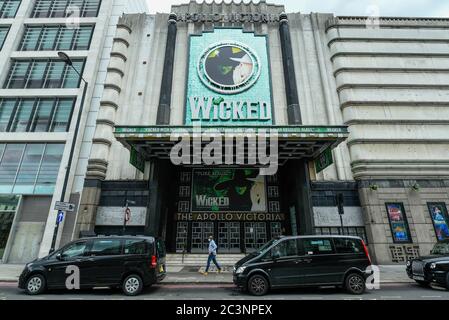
(409, 8)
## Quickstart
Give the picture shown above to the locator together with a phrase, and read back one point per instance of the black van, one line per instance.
(305, 261)
(131, 263)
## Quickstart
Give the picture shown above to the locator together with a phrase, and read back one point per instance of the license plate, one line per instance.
(419, 278)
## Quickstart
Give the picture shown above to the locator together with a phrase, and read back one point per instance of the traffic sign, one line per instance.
(60, 217)
(64, 206)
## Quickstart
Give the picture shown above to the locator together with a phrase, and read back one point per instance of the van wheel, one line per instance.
(132, 285)
(355, 283)
(258, 285)
(35, 284)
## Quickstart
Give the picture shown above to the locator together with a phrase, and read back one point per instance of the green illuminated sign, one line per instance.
(137, 160)
(324, 161)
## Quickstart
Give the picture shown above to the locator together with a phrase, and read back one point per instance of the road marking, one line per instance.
(391, 297)
(431, 297)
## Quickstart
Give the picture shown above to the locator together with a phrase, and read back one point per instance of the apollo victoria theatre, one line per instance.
(228, 89)
(247, 123)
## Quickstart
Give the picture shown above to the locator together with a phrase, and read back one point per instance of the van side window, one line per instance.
(317, 246)
(135, 247)
(348, 245)
(106, 247)
(74, 250)
(286, 248)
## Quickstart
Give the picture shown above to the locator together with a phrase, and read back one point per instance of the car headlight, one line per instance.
(240, 270)
(409, 263)
(433, 266)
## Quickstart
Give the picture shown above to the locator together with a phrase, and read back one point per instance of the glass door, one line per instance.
(229, 237)
(255, 235)
(200, 233)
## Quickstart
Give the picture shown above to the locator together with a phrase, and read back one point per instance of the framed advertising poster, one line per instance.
(228, 190)
(440, 219)
(398, 223)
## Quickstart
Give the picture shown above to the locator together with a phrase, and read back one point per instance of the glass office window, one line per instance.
(36, 115)
(65, 8)
(48, 38)
(29, 169)
(17, 75)
(71, 78)
(49, 169)
(8, 8)
(3, 33)
(6, 110)
(37, 74)
(8, 208)
(55, 74)
(23, 116)
(9, 165)
(44, 74)
(62, 116)
(43, 115)
(59, 37)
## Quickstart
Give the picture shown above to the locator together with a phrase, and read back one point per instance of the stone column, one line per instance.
(104, 132)
(163, 113)
(291, 89)
(299, 169)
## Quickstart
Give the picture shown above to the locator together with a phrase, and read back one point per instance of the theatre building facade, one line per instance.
(196, 101)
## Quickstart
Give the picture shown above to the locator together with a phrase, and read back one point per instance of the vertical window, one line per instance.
(62, 115)
(55, 74)
(398, 223)
(440, 219)
(9, 165)
(30, 38)
(83, 37)
(43, 115)
(23, 115)
(3, 33)
(37, 74)
(48, 172)
(65, 39)
(48, 39)
(8, 8)
(29, 168)
(17, 75)
(6, 111)
(72, 79)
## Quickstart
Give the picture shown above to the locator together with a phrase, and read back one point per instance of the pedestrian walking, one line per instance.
(212, 255)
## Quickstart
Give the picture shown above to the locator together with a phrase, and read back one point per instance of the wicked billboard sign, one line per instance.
(228, 190)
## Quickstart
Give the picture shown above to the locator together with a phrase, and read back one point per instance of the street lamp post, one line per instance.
(64, 57)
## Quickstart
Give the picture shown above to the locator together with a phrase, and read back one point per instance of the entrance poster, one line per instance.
(440, 219)
(228, 190)
(398, 223)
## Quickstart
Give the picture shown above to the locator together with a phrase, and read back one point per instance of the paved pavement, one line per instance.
(180, 292)
(191, 274)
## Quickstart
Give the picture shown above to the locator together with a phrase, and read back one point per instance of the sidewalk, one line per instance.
(191, 274)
